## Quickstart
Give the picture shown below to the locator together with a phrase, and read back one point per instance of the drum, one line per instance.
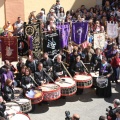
(19, 116)
(25, 105)
(36, 96)
(18, 92)
(51, 92)
(68, 86)
(83, 81)
(102, 82)
(94, 76)
(12, 108)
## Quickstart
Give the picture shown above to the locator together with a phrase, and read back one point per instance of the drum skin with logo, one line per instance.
(19, 116)
(83, 80)
(36, 96)
(51, 92)
(12, 108)
(102, 82)
(68, 86)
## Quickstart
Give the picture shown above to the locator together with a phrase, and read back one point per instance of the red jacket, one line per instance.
(115, 62)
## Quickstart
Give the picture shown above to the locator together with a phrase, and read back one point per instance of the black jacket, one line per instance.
(32, 65)
(40, 76)
(47, 64)
(77, 67)
(8, 93)
(26, 80)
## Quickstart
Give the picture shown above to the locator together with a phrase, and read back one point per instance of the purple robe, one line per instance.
(5, 76)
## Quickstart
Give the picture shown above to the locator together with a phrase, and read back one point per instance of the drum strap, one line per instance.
(34, 81)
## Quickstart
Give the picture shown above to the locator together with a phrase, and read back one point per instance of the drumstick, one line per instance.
(64, 81)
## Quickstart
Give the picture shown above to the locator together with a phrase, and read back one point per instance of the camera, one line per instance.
(67, 114)
(110, 111)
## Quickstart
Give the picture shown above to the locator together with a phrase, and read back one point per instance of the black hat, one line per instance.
(57, 0)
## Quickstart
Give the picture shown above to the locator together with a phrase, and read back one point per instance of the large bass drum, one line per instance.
(36, 96)
(51, 92)
(102, 82)
(68, 86)
(83, 81)
(19, 116)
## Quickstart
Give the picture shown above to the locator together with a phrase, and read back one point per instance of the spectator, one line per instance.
(52, 14)
(102, 118)
(18, 27)
(116, 66)
(31, 18)
(75, 117)
(57, 6)
(41, 16)
(8, 29)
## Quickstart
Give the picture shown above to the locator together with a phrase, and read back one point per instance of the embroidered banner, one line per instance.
(64, 33)
(99, 40)
(51, 43)
(112, 29)
(9, 47)
(79, 32)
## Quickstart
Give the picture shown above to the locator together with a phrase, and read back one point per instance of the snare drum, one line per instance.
(51, 92)
(102, 82)
(12, 108)
(19, 116)
(83, 81)
(18, 92)
(68, 86)
(35, 96)
(25, 105)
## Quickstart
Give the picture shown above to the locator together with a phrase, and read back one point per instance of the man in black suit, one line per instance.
(47, 62)
(32, 64)
(40, 75)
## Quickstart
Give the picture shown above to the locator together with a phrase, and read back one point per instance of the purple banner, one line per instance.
(79, 32)
(30, 41)
(64, 32)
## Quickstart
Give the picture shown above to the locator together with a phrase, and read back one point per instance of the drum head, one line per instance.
(94, 75)
(20, 117)
(12, 107)
(49, 87)
(65, 82)
(33, 94)
(82, 77)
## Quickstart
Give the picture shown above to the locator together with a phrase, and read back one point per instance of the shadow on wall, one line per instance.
(78, 3)
(1, 3)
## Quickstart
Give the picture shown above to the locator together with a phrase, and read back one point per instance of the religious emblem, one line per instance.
(79, 31)
(30, 30)
(51, 44)
(8, 51)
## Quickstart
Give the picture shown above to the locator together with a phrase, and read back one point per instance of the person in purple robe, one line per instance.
(7, 74)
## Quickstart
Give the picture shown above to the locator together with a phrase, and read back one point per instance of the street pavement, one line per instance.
(87, 105)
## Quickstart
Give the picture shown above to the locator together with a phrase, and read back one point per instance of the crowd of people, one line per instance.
(36, 72)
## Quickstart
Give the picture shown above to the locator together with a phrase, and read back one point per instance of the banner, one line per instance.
(51, 43)
(32, 32)
(64, 33)
(79, 32)
(9, 48)
(99, 40)
(112, 29)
